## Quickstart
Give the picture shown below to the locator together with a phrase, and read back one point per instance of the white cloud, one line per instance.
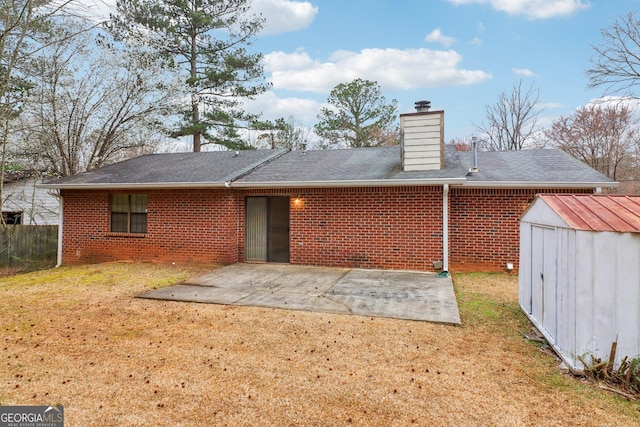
(606, 101)
(476, 41)
(278, 61)
(612, 101)
(283, 16)
(524, 72)
(391, 68)
(437, 37)
(532, 9)
(94, 10)
(549, 105)
(304, 110)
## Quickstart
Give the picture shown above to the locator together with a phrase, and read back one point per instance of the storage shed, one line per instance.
(579, 278)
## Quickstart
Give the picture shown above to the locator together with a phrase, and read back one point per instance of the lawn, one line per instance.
(76, 336)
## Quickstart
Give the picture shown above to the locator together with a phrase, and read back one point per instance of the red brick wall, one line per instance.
(182, 226)
(484, 228)
(395, 228)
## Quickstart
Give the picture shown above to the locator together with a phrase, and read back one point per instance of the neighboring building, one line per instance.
(579, 270)
(23, 202)
(420, 206)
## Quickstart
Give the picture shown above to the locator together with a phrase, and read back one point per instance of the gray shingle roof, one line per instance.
(215, 167)
(329, 165)
(371, 166)
(356, 164)
(529, 166)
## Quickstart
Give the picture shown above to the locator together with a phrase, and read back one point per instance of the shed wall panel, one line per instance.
(524, 275)
(604, 289)
(585, 333)
(628, 294)
(566, 289)
(537, 267)
(549, 282)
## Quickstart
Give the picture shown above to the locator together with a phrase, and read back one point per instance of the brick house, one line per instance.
(421, 205)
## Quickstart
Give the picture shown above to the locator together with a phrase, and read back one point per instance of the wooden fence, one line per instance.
(28, 246)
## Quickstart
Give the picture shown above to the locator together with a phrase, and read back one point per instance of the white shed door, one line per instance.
(543, 278)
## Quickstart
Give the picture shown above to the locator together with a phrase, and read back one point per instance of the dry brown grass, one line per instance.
(78, 337)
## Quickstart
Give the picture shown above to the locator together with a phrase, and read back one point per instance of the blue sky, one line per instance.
(459, 54)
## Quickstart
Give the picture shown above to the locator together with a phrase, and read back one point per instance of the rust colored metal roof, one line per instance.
(597, 212)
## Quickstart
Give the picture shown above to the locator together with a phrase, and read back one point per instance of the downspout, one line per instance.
(445, 230)
(60, 222)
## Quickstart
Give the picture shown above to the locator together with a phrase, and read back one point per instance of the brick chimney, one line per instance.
(422, 138)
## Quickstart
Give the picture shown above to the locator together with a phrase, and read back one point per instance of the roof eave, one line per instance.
(539, 184)
(349, 183)
(133, 186)
(329, 184)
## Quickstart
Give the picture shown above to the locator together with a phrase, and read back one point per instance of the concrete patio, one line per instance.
(380, 293)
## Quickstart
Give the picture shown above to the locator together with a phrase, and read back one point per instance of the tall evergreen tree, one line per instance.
(207, 39)
(358, 116)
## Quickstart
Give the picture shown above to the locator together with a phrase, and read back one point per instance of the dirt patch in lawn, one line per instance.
(10, 271)
(78, 337)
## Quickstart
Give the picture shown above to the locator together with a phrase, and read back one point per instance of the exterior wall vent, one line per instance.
(422, 138)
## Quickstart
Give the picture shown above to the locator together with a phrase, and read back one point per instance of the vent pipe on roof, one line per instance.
(474, 147)
(422, 106)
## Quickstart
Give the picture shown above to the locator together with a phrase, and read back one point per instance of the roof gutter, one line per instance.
(540, 184)
(128, 186)
(266, 184)
(330, 184)
(60, 230)
(445, 228)
(350, 183)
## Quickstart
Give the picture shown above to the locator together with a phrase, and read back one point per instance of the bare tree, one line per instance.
(283, 133)
(616, 63)
(25, 27)
(89, 101)
(512, 121)
(604, 137)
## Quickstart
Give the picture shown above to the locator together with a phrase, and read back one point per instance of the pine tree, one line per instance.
(207, 39)
(359, 116)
